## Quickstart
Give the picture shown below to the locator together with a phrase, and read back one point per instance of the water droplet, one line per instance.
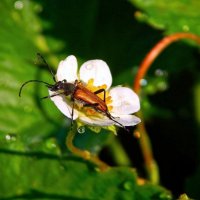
(18, 5)
(11, 137)
(143, 82)
(81, 129)
(51, 144)
(185, 28)
(128, 185)
(159, 72)
(89, 67)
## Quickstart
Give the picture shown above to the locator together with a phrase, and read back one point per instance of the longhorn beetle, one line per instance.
(78, 92)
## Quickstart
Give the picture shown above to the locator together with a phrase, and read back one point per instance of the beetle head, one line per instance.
(67, 88)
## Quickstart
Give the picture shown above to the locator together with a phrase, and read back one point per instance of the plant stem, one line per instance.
(118, 153)
(155, 51)
(146, 148)
(86, 155)
(150, 163)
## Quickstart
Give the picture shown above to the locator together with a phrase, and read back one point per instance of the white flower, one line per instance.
(95, 74)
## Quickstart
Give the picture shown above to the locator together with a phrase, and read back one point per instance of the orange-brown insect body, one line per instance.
(84, 95)
(80, 93)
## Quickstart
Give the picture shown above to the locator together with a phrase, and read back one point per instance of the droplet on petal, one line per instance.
(89, 67)
(97, 70)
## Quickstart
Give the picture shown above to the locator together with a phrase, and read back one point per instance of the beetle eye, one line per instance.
(64, 81)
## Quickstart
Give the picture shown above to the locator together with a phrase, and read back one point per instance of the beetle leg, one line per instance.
(100, 91)
(72, 115)
(114, 120)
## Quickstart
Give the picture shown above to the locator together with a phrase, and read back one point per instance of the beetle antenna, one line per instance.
(38, 81)
(46, 64)
(120, 125)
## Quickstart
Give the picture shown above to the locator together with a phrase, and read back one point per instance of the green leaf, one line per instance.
(171, 16)
(38, 175)
(20, 116)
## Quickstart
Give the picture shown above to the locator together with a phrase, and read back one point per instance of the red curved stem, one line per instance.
(155, 51)
(144, 141)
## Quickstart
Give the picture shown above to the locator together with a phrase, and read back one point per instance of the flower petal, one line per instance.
(96, 121)
(63, 105)
(97, 70)
(126, 120)
(124, 100)
(67, 69)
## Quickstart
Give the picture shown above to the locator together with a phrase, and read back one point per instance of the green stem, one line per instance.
(118, 153)
(145, 144)
(86, 155)
(146, 148)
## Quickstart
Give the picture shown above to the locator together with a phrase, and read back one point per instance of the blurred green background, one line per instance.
(34, 162)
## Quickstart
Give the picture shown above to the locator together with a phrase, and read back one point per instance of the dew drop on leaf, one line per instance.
(128, 185)
(51, 144)
(11, 137)
(18, 5)
(186, 28)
